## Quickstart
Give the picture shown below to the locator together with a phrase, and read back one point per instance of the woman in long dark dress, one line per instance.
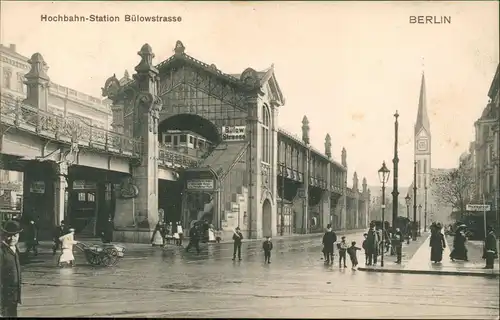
(459, 251)
(437, 243)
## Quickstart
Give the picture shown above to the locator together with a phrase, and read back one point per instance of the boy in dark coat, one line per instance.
(10, 270)
(268, 247)
(352, 254)
(342, 251)
(364, 245)
(59, 231)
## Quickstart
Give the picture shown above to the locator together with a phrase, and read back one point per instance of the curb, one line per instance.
(292, 237)
(494, 274)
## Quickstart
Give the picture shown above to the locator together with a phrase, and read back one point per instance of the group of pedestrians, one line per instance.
(168, 232)
(329, 241)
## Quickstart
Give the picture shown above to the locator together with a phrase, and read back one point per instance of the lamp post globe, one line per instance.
(383, 174)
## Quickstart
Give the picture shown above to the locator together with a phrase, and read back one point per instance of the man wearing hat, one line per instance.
(10, 275)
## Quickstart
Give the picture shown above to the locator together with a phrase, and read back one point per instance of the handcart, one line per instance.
(107, 255)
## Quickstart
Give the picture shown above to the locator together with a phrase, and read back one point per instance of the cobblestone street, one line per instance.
(156, 282)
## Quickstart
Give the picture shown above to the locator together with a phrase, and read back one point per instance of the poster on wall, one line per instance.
(37, 187)
(234, 133)
(200, 184)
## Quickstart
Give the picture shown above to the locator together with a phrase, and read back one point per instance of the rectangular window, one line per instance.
(419, 184)
(190, 139)
(6, 78)
(425, 165)
(176, 140)
(168, 139)
(81, 197)
(183, 138)
(418, 166)
(90, 197)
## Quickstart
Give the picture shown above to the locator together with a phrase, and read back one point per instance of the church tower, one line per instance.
(422, 150)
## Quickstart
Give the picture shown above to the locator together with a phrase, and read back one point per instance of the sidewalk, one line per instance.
(46, 246)
(420, 264)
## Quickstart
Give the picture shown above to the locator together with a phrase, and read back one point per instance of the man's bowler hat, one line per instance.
(11, 227)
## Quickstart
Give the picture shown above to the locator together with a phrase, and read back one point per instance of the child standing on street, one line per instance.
(364, 248)
(342, 246)
(268, 247)
(352, 254)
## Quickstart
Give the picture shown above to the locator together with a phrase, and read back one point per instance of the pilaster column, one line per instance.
(343, 215)
(254, 211)
(305, 205)
(326, 209)
(60, 185)
(146, 174)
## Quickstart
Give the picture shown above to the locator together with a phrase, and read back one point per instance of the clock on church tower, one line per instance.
(422, 145)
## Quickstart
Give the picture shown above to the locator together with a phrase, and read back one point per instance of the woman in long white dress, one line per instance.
(67, 242)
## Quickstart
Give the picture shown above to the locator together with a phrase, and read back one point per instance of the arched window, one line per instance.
(266, 136)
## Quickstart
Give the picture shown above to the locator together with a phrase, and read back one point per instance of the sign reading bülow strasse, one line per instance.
(235, 133)
(200, 184)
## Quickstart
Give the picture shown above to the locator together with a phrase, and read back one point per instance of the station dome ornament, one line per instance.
(179, 47)
(111, 87)
(250, 78)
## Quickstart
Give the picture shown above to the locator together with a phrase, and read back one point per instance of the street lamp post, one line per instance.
(425, 209)
(408, 202)
(414, 236)
(395, 162)
(383, 174)
(419, 218)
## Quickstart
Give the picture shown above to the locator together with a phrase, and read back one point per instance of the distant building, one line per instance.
(486, 147)
(62, 101)
(429, 208)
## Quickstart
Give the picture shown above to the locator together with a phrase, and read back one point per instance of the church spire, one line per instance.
(422, 117)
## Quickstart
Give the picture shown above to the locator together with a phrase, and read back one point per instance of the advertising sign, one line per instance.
(84, 185)
(234, 133)
(478, 207)
(37, 187)
(200, 184)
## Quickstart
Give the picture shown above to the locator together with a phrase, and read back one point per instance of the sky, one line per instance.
(348, 66)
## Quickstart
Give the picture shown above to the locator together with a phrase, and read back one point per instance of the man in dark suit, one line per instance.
(10, 275)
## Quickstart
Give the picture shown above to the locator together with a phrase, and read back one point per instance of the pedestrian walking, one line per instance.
(329, 239)
(459, 251)
(490, 248)
(397, 244)
(352, 251)
(67, 242)
(364, 246)
(437, 243)
(31, 238)
(59, 231)
(168, 233)
(342, 246)
(237, 238)
(180, 232)
(159, 228)
(268, 247)
(194, 239)
(107, 234)
(10, 275)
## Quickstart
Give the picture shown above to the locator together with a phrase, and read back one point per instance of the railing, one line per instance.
(175, 159)
(65, 129)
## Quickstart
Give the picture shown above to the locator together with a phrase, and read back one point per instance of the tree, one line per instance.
(455, 187)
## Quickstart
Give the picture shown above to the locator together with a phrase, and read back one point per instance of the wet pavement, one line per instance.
(157, 282)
